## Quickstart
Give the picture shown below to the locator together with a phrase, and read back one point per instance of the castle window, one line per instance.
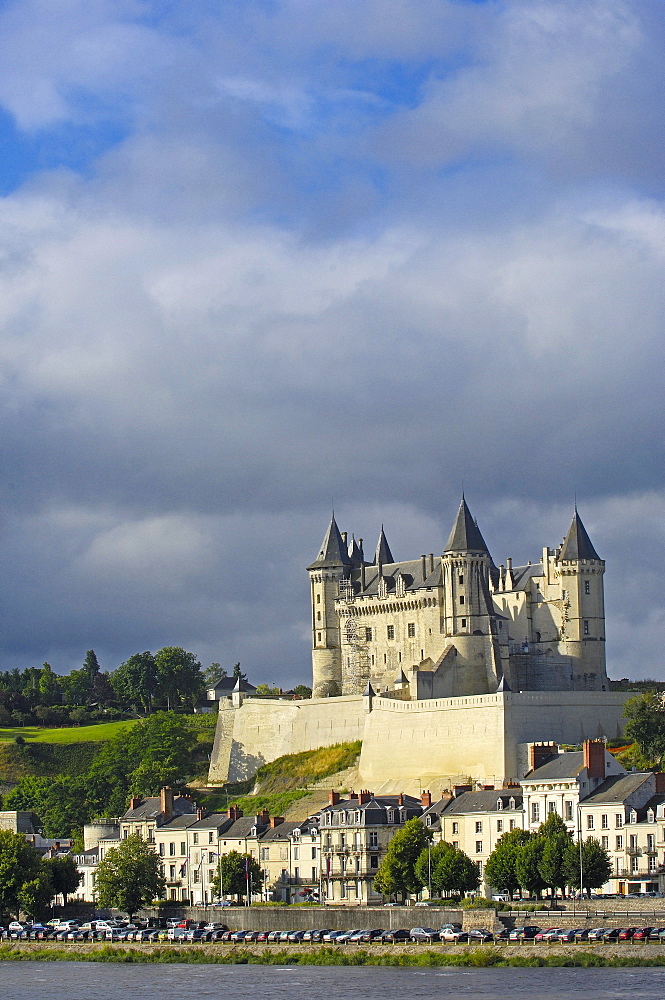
(318, 598)
(318, 616)
(587, 587)
(461, 599)
(461, 579)
(390, 631)
(411, 630)
(368, 635)
(318, 637)
(586, 628)
(463, 622)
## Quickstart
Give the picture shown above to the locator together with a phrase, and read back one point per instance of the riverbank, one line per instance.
(534, 956)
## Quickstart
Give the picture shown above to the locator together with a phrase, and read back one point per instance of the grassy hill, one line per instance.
(284, 781)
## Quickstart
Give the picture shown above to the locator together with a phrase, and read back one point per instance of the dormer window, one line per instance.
(499, 804)
(383, 589)
(633, 816)
(401, 586)
(428, 820)
(296, 834)
(390, 816)
(650, 816)
(511, 803)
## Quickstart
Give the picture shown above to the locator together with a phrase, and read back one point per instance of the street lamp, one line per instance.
(579, 843)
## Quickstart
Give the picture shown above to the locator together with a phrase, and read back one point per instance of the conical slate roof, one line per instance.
(355, 552)
(383, 554)
(577, 544)
(465, 535)
(333, 550)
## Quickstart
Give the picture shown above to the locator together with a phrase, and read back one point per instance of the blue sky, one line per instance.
(256, 257)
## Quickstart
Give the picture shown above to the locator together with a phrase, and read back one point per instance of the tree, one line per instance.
(448, 868)
(49, 688)
(135, 681)
(265, 691)
(129, 876)
(500, 870)
(396, 874)
(19, 864)
(61, 804)
(77, 687)
(64, 875)
(236, 874)
(237, 672)
(36, 893)
(553, 865)
(646, 725)
(302, 691)
(527, 866)
(179, 677)
(213, 674)
(102, 690)
(596, 865)
(91, 665)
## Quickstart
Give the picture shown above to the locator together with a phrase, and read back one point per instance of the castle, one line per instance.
(445, 668)
(457, 625)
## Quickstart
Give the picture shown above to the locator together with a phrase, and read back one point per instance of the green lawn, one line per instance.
(69, 734)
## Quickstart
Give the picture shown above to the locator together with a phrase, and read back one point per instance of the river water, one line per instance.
(90, 981)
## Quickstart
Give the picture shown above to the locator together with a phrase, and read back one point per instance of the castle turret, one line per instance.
(332, 565)
(468, 614)
(582, 630)
(383, 555)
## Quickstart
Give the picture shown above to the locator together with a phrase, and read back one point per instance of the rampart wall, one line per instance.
(415, 744)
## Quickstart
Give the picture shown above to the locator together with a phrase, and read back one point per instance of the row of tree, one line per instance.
(171, 678)
(521, 860)
(29, 883)
(158, 750)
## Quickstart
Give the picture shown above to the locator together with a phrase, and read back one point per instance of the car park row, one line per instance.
(183, 931)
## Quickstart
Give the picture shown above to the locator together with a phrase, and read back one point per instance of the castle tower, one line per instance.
(582, 630)
(468, 615)
(332, 565)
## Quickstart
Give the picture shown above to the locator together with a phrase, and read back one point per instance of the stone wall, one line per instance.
(416, 744)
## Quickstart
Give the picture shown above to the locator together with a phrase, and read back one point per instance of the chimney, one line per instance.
(488, 788)
(458, 789)
(594, 758)
(364, 796)
(423, 567)
(264, 817)
(363, 581)
(201, 813)
(426, 799)
(166, 803)
(275, 821)
(235, 812)
(135, 802)
(540, 752)
(400, 799)
(353, 795)
(431, 562)
(333, 798)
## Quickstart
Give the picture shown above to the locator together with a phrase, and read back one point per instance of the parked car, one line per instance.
(393, 937)
(295, 937)
(626, 933)
(611, 933)
(479, 934)
(424, 934)
(526, 933)
(452, 935)
(367, 937)
(330, 937)
(238, 935)
(596, 933)
(273, 936)
(642, 933)
(343, 938)
(547, 935)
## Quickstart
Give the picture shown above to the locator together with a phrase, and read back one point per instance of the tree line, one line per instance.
(156, 751)
(171, 678)
(521, 861)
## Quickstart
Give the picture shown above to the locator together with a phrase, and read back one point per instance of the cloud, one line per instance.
(322, 265)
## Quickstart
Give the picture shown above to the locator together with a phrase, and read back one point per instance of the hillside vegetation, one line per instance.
(285, 780)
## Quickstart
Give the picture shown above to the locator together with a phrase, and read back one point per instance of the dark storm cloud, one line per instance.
(324, 265)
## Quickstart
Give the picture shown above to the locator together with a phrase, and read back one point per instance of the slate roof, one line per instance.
(179, 823)
(383, 553)
(151, 808)
(242, 827)
(227, 684)
(333, 550)
(375, 810)
(281, 832)
(577, 544)
(411, 571)
(465, 534)
(617, 788)
(484, 800)
(564, 765)
(214, 821)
